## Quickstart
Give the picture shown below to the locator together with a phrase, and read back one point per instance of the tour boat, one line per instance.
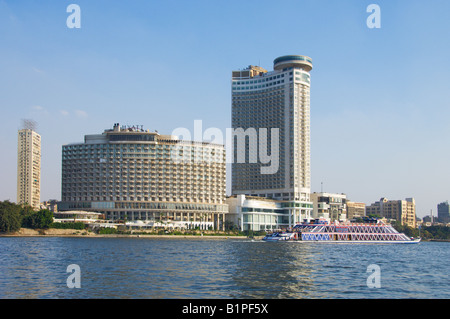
(322, 231)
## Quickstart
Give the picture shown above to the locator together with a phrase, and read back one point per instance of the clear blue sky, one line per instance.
(379, 97)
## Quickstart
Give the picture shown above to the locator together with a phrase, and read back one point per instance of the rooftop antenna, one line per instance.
(28, 124)
(321, 187)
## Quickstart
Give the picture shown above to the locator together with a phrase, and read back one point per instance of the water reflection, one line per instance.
(271, 270)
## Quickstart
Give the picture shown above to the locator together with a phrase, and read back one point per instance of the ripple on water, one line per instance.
(183, 268)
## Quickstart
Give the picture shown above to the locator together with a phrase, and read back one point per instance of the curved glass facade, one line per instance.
(292, 58)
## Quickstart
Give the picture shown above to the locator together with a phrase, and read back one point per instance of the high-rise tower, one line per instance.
(277, 99)
(29, 167)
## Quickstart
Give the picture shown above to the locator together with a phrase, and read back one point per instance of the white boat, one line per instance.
(281, 236)
(373, 232)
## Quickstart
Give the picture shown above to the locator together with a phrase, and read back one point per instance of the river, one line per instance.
(156, 268)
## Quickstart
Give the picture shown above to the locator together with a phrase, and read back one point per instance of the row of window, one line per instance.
(237, 88)
(261, 80)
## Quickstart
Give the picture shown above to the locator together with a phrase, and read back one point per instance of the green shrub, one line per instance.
(76, 225)
(41, 219)
(107, 231)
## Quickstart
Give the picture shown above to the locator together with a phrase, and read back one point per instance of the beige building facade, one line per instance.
(355, 210)
(403, 211)
(29, 168)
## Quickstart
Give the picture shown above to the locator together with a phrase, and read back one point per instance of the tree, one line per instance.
(41, 219)
(26, 210)
(10, 219)
(13, 217)
(26, 214)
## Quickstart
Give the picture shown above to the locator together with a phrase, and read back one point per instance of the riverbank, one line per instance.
(52, 232)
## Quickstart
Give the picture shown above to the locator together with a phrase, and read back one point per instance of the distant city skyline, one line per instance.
(379, 97)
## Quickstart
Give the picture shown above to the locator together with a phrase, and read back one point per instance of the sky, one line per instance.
(379, 96)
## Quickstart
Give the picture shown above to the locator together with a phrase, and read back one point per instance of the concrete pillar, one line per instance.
(290, 218)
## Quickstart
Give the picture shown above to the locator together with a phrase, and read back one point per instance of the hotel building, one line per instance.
(279, 99)
(128, 173)
(29, 168)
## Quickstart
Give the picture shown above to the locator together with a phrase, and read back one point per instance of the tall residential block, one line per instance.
(280, 100)
(128, 173)
(29, 168)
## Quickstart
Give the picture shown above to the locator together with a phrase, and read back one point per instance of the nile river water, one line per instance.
(36, 267)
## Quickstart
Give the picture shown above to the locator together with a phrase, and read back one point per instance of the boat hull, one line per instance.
(379, 242)
(361, 241)
(281, 237)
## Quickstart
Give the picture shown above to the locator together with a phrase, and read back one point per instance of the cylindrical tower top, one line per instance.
(298, 61)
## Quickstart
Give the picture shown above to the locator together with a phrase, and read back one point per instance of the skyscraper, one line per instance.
(29, 167)
(279, 99)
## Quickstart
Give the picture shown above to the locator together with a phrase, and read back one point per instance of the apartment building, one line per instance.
(329, 205)
(403, 211)
(355, 210)
(29, 168)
